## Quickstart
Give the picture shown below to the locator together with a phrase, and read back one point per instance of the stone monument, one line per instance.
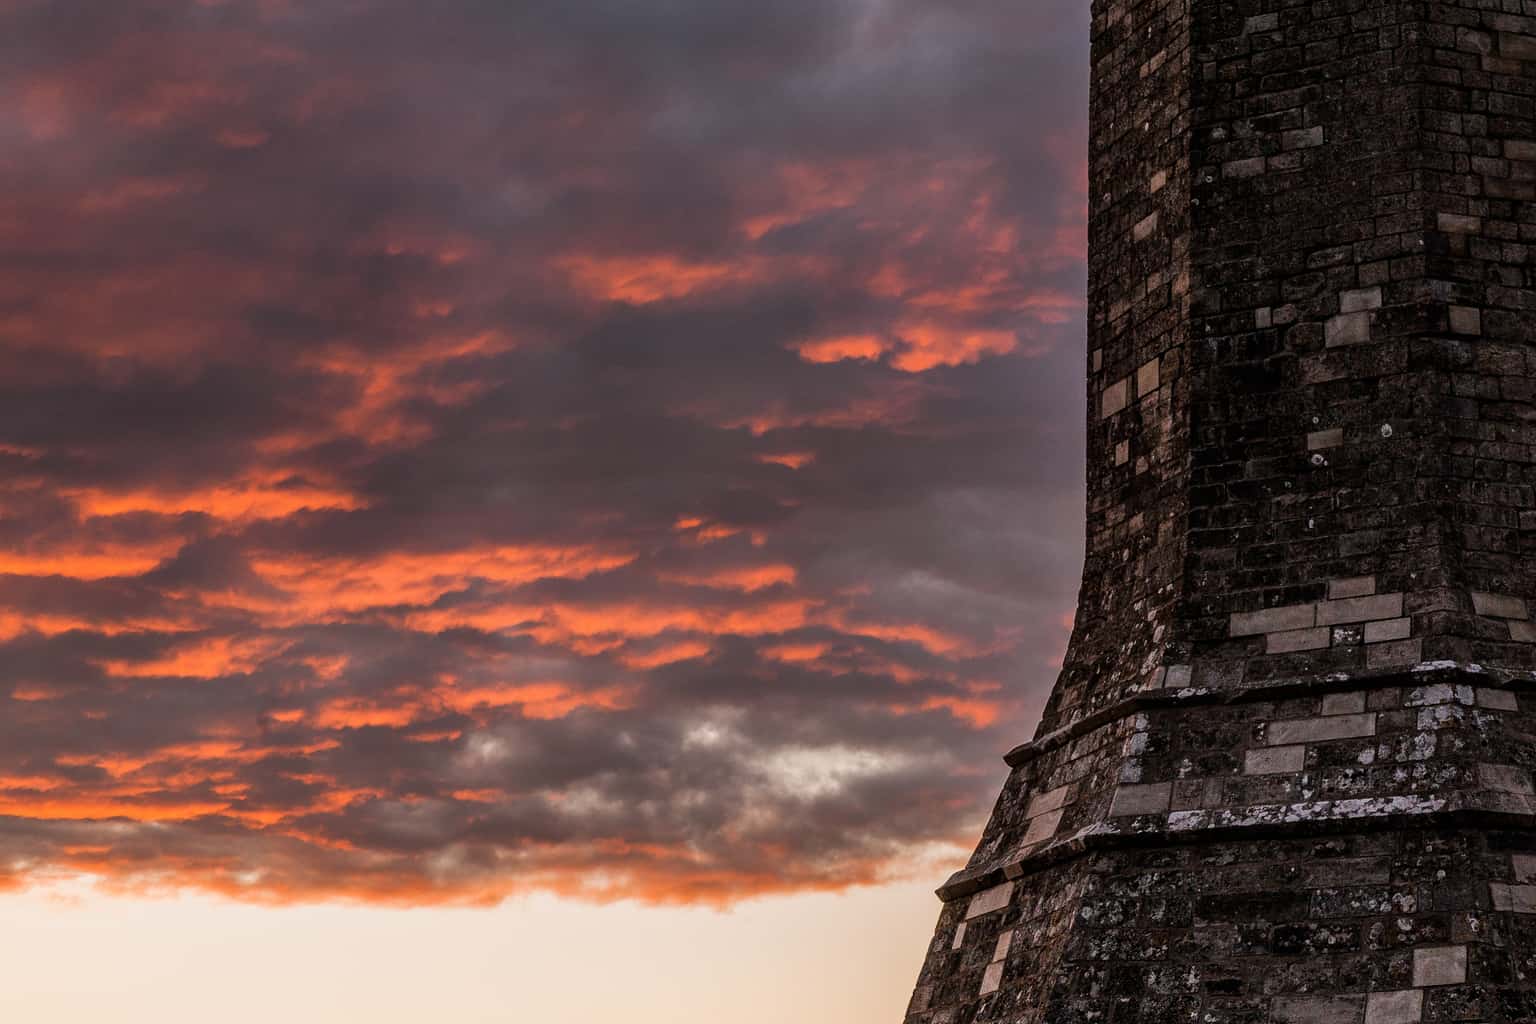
(1285, 776)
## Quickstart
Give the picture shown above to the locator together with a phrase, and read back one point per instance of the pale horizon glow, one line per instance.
(75, 956)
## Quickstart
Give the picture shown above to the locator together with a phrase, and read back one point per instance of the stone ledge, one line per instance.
(1425, 673)
(1320, 817)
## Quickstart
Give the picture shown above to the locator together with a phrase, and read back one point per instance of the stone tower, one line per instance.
(1286, 773)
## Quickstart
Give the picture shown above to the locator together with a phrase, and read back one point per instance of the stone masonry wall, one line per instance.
(1138, 297)
(1286, 775)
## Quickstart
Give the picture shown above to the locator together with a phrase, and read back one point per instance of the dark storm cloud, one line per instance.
(623, 449)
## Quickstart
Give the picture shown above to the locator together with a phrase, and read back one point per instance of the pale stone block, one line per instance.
(1344, 703)
(1356, 299)
(1514, 46)
(1499, 606)
(1274, 620)
(1404, 1007)
(1360, 609)
(1439, 965)
(1264, 317)
(1351, 586)
(1000, 951)
(1320, 730)
(1178, 676)
(1147, 377)
(1523, 632)
(1042, 828)
(1472, 41)
(1152, 798)
(1051, 800)
(1439, 693)
(959, 937)
(1458, 224)
(1525, 866)
(989, 900)
(1499, 700)
(1144, 227)
(1302, 138)
(1297, 640)
(992, 978)
(1347, 329)
(1519, 149)
(1466, 320)
(1506, 778)
(1122, 453)
(1514, 899)
(1159, 180)
(1261, 23)
(1275, 760)
(1248, 168)
(1388, 629)
(1115, 397)
(1320, 440)
(1316, 1009)
(1398, 652)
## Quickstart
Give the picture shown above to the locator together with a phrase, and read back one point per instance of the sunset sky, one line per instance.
(520, 509)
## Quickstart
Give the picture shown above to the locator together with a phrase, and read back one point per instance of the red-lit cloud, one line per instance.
(615, 451)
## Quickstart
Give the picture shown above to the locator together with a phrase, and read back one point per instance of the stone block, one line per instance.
(1248, 167)
(992, 978)
(1317, 1009)
(959, 936)
(1459, 224)
(1388, 629)
(1153, 798)
(1319, 730)
(1297, 640)
(1524, 866)
(1360, 609)
(1115, 398)
(1499, 606)
(1042, 827)
(1513, 46)
(1357, 299)
(1505, 778)
(1320, 440)
(1344, 703)
(1147, 377)
(1466, 320)
(1520, 149)
(1439, 965)
(1347, 329)
(1499, 700)
(1274, 760)
(1302, 138)
(1523, 632)
(989, 900)
(1513, 899)
(1273, 620)
(1158, 182)
(1402, 1007)
(1050, 800)
(1144, 227)
(1396, 654)
(1351, 586)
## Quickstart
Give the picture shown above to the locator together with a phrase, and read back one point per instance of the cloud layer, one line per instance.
(630, 450)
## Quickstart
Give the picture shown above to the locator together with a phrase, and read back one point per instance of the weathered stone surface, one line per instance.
(1439, 965)
(1402, 1007)
(1285, 774)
